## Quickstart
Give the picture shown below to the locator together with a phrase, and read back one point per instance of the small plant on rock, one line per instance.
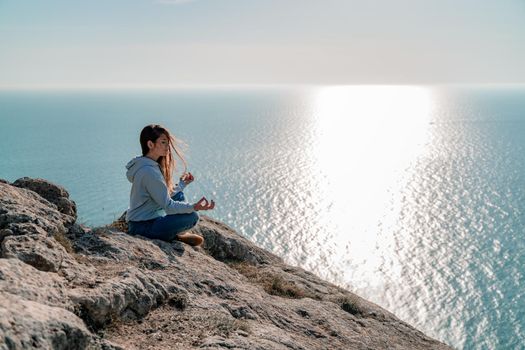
(64, 242)
(349, 305)
(272, 282)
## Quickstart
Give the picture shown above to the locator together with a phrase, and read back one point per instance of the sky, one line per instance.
(130, 43)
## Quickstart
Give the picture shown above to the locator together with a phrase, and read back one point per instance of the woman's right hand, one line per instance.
(187, 178)
(203, 204)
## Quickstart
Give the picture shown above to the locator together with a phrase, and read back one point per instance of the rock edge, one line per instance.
(66, 286)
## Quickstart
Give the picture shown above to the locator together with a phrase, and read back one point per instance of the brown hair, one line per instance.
(167, 164)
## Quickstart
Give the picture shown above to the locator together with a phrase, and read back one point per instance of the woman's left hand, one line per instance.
(187, 178)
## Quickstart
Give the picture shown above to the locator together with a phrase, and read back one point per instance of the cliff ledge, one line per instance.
(67, 286)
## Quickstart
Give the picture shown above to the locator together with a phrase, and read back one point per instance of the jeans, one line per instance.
(167, 227)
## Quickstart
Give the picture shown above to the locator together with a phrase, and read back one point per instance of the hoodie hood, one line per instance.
(137, 163)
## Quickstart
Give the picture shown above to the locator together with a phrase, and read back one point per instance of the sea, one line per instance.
(413, 197)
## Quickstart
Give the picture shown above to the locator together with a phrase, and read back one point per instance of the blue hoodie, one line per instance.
(149, 197)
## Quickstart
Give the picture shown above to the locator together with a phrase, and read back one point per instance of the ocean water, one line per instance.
(411, 196)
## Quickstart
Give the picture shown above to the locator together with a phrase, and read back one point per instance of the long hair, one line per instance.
(167, 164)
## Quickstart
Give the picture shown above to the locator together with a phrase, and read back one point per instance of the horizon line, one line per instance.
(230, 86)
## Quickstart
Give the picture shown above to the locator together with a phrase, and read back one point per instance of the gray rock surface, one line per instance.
(26, 324)
(66, 286)
(23, 280)
(23, 212)
(42, 252)
(54, 193)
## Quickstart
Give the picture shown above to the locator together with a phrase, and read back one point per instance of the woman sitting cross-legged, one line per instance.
(157, 208)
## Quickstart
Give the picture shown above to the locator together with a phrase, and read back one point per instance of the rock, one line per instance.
(24, 212)
(118, 246)
(54, 193)
(23, 280)
(4, 233)
(131, 295)
(41, 252)
(27, 324)
(223, 243)
(93, 243)
(64, 285)
(240, 311)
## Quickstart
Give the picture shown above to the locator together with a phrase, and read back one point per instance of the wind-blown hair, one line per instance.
(167, 164)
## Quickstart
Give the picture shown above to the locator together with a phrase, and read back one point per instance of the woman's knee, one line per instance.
(182, 222)
(195, 218)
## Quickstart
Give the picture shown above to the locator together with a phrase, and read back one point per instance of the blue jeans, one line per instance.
(167, 227)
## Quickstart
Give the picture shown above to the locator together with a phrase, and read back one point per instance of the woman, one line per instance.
(157, 208)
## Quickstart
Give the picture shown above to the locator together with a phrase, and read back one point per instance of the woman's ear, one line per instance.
(150, 144)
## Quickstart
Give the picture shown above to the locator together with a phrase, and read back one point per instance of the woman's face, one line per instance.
(161, 147)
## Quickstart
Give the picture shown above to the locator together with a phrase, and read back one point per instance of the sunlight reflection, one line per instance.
(367, 138)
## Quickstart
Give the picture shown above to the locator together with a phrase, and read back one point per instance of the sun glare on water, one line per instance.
(367, 137)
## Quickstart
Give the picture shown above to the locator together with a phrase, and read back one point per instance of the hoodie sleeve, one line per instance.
(156, 187)
(179, 187)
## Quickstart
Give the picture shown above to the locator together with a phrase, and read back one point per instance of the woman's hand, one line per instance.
(203, 204)
(187, 178)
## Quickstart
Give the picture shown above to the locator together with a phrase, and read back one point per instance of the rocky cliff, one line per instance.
(66, 286)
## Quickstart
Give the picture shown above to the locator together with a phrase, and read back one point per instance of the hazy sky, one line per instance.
(174, 42)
